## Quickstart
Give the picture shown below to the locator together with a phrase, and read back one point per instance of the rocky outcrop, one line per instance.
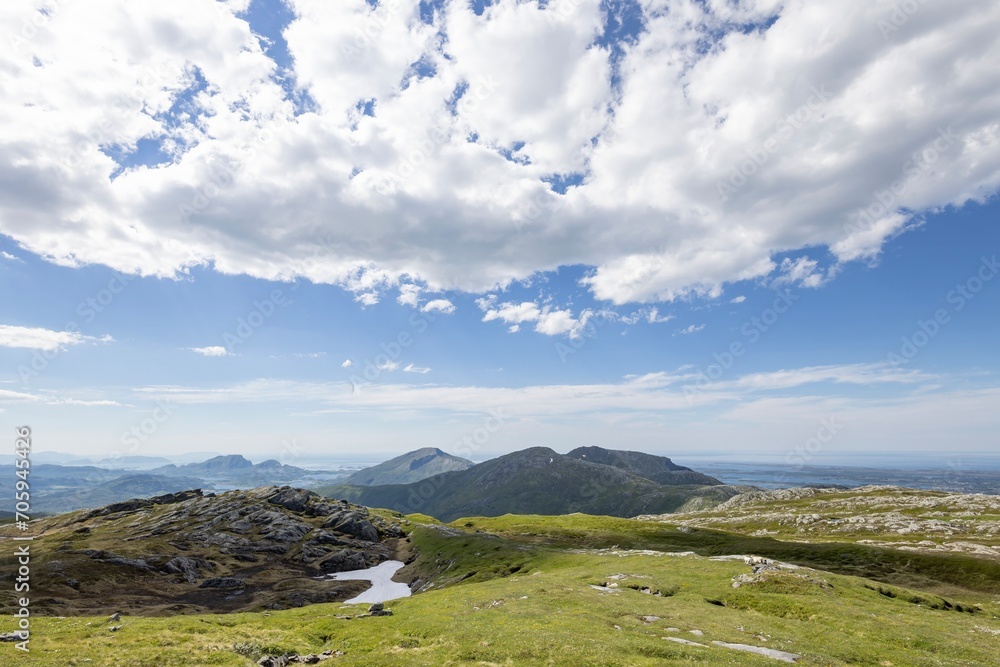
(263, 548)
(885, 516)
(283, 660)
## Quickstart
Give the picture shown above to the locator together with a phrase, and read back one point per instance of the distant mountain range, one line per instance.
(536, 481)
(63, 488)
(237, 470)
(408, 468)
(540, 481)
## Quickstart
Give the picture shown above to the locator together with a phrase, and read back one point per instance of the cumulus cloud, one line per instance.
(738, 299)
(9, 257)
(37, 338)
(692, 329)
(347, 363)
(463, 152)
(439, 306)
(409, 295)
(211, 351)
(548, 320)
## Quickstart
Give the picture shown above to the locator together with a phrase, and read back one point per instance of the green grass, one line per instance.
(519, 593)
(943, 573)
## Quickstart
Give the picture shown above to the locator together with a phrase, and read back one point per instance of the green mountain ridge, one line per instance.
(411, 467)
(539, 481)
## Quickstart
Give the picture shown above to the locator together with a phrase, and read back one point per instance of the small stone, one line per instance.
(114, 618)
(697, 633)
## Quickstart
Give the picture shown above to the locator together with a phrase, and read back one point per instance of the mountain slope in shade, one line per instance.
(410, 467)
(534, 481)
(660, 469)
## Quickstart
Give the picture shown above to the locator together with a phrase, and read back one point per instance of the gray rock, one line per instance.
(223, 583)
(273, 661)
(684, 641)
(190, 567)
(354, 524)
(344, 561)
(760, 650)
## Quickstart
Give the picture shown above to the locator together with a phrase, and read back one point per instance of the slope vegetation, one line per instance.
(535, 481)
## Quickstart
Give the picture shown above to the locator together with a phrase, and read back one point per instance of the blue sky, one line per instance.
(442, 246)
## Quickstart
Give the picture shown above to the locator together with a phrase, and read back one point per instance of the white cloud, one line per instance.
(671, 202)
(85, 403)
(516, 313)
(653, 316)
(211, 351)
(37, 338)
(409, 295)
(410, 368)
(738, 299)
(661, 391)
(388, 365)
(555, 322)
(9, 257)
(802, 271)
(367, 298)
(347, 363)
(8, 395)
(439, 306)
(548, 320)
(692, 329)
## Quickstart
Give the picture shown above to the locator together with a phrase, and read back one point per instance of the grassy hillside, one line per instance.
(552, 591)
